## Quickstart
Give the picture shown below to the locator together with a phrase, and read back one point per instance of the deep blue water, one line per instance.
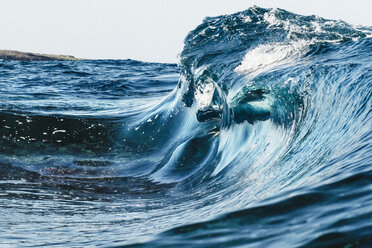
(259, 137)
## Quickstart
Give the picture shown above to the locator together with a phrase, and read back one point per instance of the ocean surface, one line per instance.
(259, 137)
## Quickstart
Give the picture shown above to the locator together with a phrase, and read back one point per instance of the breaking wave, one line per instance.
(261, 136)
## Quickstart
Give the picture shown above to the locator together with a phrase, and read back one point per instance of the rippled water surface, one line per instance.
(260, 137)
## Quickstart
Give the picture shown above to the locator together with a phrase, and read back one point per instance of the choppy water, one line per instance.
(261, 137)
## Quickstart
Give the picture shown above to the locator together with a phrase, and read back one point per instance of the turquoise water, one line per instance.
(260, 137)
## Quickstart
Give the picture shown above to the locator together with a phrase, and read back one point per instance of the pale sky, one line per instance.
(148, 30)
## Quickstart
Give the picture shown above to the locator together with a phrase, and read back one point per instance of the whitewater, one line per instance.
(259, 137)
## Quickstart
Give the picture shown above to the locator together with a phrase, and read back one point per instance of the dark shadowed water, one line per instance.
(260, 137)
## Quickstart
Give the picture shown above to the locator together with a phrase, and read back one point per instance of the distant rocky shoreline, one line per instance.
(26, 56)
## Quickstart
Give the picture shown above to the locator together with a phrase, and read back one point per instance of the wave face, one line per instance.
(261, 137)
